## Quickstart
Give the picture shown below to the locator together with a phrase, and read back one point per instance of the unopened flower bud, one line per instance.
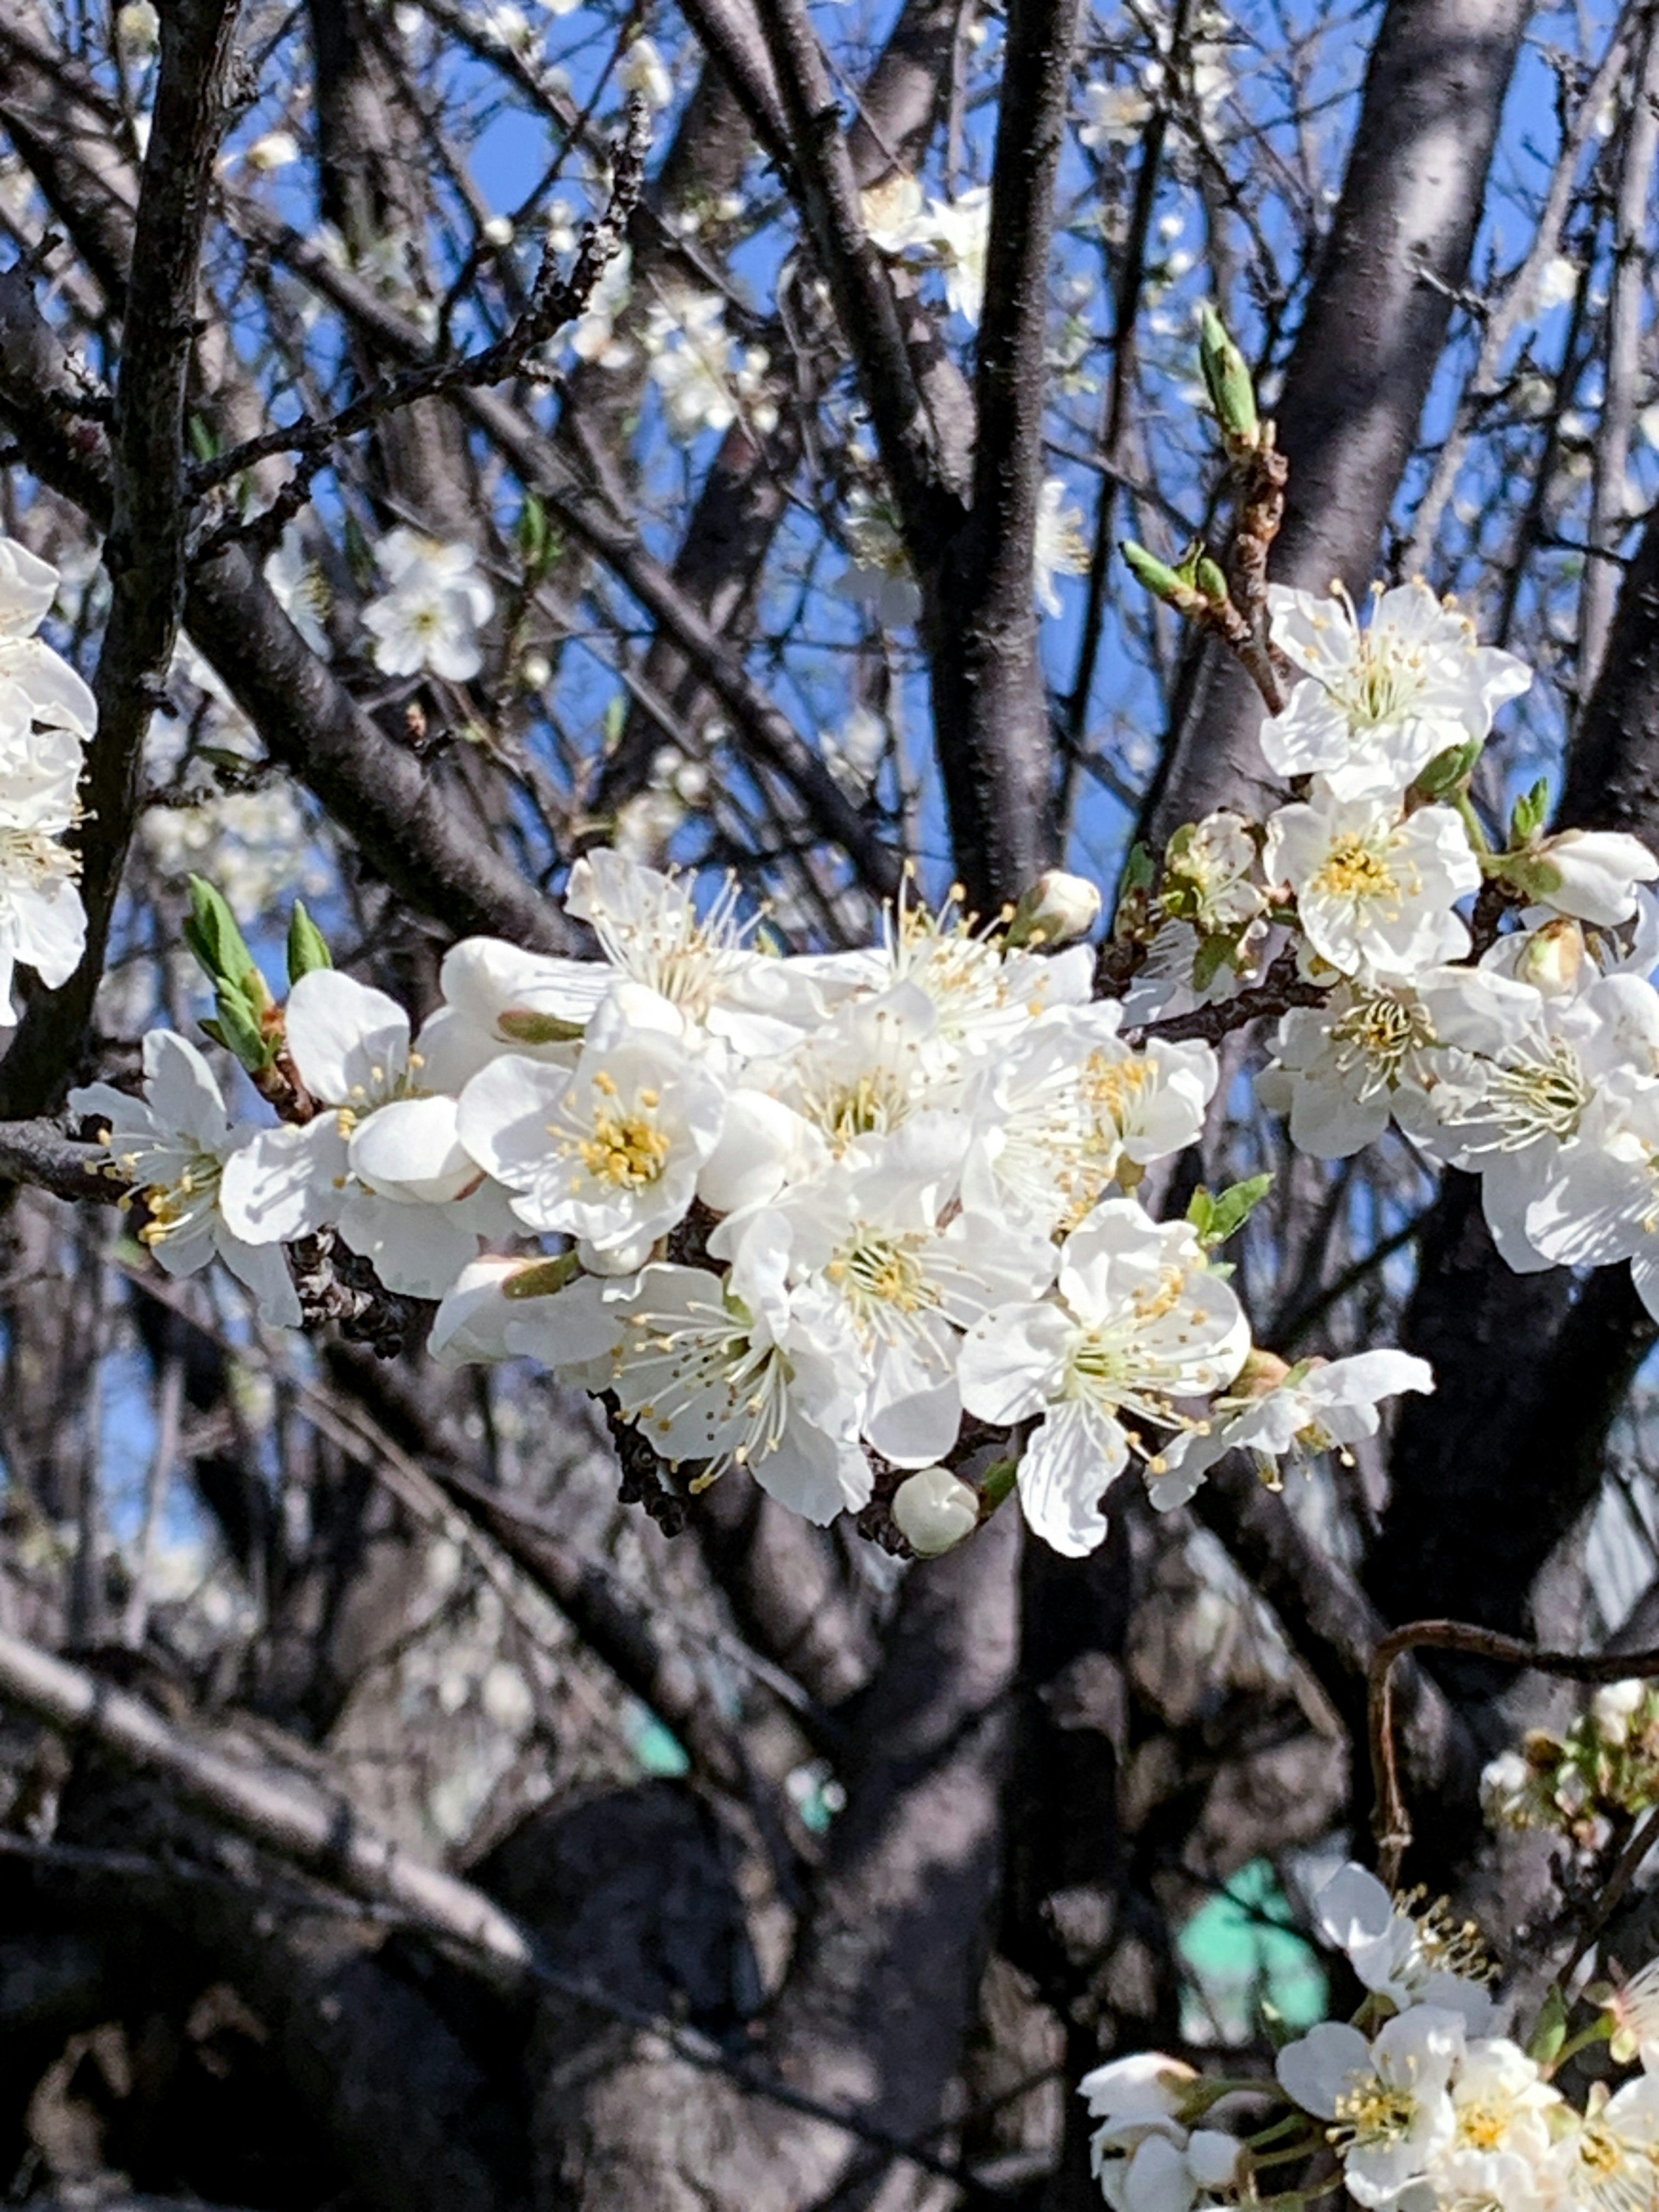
(1226, 378)
(137, 29)
(935, 1510)
(1057, 909)
(1262, 1371)
(1552, 957)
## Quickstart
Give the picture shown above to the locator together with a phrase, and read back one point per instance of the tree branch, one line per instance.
(146, 548)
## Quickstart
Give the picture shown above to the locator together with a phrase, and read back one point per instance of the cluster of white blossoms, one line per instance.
(48, 716)
(869, 1225)
(1588, 1783)
(707, 377)
(1418, 2104)
(1533, 1062)
(830, 1218)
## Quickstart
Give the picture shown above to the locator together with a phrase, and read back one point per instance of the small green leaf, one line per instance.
(1140, 870)
(1212, 956)
(1216, 1216)
(1211, 581)
(1534, 878)
(1161, 580)
(1551, 2032)
(239, 1030)
(1449, 770)
(997, 1481)
(1528, 818)
(532, 537)
(307, 948)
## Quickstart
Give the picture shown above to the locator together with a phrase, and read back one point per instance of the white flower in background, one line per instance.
(172, 1144)
(1390, 2101)
(719, 1370)
(705, 376)
(300, 589)
(275, 149)
(856, 750)
(1061, 548)
(607, 1151)
(1374, 892)
(884, 1283)
(1599, 872)
(1612, 1708)
(1319, 1406)
(137, 29)
(1498, 2151)
(959, 233)
(880, 576)
(381, 1161)
(1608, 2159)
(891, 211)
(1557, 283)
(55, 695)
(257, 845)
(1208, 875)
(1414, 1959)
(430, 616)
(593, 335)
(43, 924)
(1634, 2006)
(1113, 114)
(645, 71)
(1140, 1323)
(1379, 702)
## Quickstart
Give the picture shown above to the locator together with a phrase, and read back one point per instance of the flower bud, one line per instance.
(1552, 959)
(137, 30)
(935, 1510)
(1056, 909)
(1226, 378)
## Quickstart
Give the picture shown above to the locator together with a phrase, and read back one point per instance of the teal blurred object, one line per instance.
(1242, 1951)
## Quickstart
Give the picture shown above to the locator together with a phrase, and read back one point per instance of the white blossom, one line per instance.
(57, 696)
(171, 1146)
(1596, 872)
(1061, 547)
(300, 589)
(1138, 1323)
(1501, 2110)
(1317, 1406)
(933, 1509)
(1607, 2160)
(1114, 114)
(1390, 2101)
(430, 616)
(1378, 702)
(706, 377)
(1374, 892)
(1413, 1959)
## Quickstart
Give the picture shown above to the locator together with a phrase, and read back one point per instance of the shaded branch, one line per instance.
(146, 548)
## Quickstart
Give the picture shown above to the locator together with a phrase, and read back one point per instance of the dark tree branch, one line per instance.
(990, 715)
(146, 548)
(1371, 336)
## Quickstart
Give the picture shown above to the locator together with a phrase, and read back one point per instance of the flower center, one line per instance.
(1355, 869)
(1482, 2127)
(1376, 2111)
(878, 1273)
(36, 858)
(1533, 1099)
(176, 1207)
(1615, 2174)
(626, 1150)
(1379, 1036)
